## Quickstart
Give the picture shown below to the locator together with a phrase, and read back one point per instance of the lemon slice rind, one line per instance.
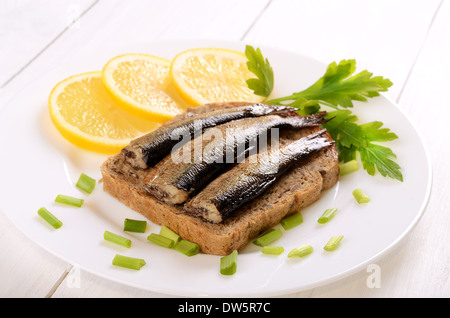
(219, 76)
(72, 133)
(144, 110)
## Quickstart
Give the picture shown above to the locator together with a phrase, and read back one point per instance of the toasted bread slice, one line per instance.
(298, 188)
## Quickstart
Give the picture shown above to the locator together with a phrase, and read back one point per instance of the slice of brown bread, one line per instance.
(298, 188)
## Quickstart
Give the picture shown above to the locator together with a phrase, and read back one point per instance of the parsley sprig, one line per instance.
(337, 88)
(352, 138)
(263, 84)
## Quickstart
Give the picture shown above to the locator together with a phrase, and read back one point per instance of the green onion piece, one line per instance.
(291, 221)
(333, 243)
(327, 215)
(228, 263)
(131, 225)
(360, 196)
(128, 262)
(165, 231)
(268, 237)
(117, 239)
(86, 183)
(348, 167)
(272, 250)
(186, 247)
(160, 240)
(50, 218)
(65, 199)
(301, 251)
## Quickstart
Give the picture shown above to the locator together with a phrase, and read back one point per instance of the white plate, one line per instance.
(38, 164)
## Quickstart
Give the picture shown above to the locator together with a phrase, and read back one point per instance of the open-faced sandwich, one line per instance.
(221, 174)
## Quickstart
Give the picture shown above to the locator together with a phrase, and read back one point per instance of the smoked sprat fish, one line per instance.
(247, 180)
(151, 148)
(174, 181)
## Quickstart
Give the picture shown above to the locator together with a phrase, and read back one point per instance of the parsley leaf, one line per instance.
(378, 156)
(339, 88)
(344, 128)
(351, 138)
(374, 133)
(263, 84)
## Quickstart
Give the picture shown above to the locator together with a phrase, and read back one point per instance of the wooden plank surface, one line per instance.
(406, 41)
(29, 27)
(383, 36)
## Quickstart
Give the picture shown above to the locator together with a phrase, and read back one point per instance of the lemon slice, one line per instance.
(140, 85)
(208, 75)
(86, 115)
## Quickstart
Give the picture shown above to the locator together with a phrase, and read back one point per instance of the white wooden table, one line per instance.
(403, 40)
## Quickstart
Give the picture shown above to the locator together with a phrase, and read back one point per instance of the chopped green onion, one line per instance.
(348, 167)
(333, 243)
(291, 221)
(268, 237)
(160, 240)
(115, 238)
(165, 231)
(327, 215)
(65, 199)
(186, 247)
(360, 196)
(131, 225)
(128, 262)
(50, 218)
(228, 263)
(272, 250)
(86, 183)
(301, 251)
